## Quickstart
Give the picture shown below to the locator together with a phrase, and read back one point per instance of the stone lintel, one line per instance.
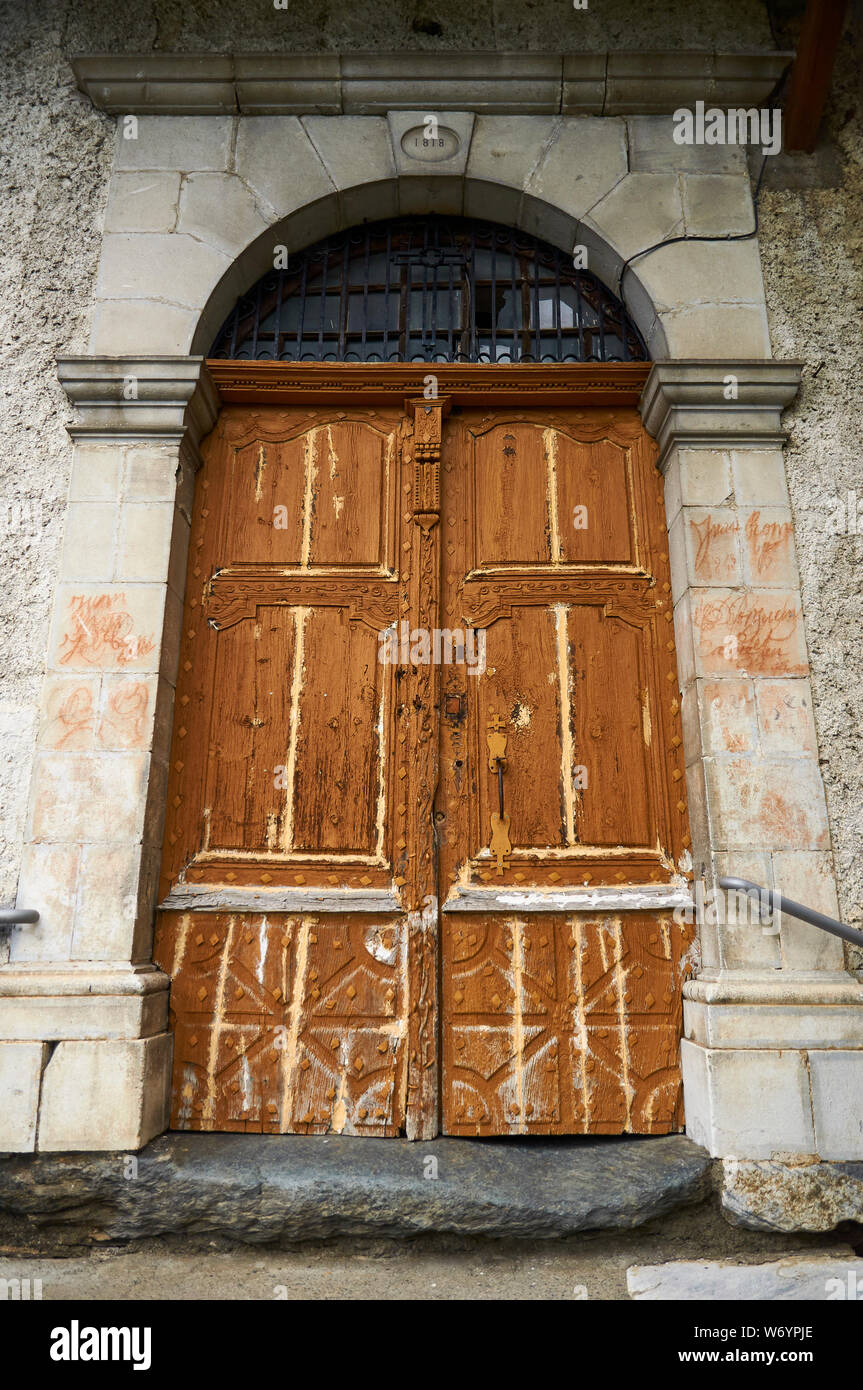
(618, 83)
(139, 398)
(718, 404)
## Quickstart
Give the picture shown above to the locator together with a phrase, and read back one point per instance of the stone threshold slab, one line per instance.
(822, 1280)
(257, 1188)
(608, 84)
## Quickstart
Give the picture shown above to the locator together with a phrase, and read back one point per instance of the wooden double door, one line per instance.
(426, 821)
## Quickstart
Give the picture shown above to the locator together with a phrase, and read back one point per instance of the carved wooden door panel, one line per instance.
(562, 813)
(296, 859)
(426, 748)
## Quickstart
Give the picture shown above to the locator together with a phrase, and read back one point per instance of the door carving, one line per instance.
(425, 821)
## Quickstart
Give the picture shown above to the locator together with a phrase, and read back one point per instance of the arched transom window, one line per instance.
(430, 289)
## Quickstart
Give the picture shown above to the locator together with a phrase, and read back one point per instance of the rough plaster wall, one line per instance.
(812, 254)
(304, 25)
(54, 165)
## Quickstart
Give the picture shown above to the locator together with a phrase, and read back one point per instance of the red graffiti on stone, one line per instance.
(101, 633)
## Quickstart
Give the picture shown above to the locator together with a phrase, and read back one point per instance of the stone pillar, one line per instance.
(773, 1048)
(83, 1012)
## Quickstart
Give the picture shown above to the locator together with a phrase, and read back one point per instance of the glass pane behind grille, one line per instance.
(430, 290)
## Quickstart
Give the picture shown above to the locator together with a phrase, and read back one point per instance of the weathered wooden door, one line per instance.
(425, 820)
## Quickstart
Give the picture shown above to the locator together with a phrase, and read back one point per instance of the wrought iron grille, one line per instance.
(430, 290)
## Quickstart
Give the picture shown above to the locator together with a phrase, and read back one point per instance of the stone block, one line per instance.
(684, 639)
(133, 326)
(69, 713)
(767, 803)
(802, 1278)
(747, 1103)
(696, 478)
(638, 211)
(21, 1066)
(705, 543)
(110, 890)
(124, 719)
(276, 158)
(48, 882)
(808, 878)
(785, 717)
(88, 797)
(177, 143)
(221, 210)
(750, 633)
(82, 1001)
(652, 148)
(728, 721)
(759, 477)
(690, 273)
(717, 204)
(801, 1196)
(353, 149)
(107, 627)
(505, 149)
(150, 474)
(708, 330)
(770, 1026)
(139, 203)
(582, 162)
(110, 1095)
(837, 1103)
(144, 536)
(767, 536)
(96, 470)
(88, 541)
(179, 269)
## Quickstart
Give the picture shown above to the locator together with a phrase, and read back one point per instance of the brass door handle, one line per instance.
(500, 820)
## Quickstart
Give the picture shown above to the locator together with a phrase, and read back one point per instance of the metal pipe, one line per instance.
(783, 904)
(18, 916)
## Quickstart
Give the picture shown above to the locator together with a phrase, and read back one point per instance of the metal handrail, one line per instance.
(783, 904)
(18, 916)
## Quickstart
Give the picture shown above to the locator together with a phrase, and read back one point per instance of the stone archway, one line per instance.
(774, 1017)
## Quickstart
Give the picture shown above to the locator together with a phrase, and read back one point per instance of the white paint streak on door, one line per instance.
(561, 613)
(620, 991)
(298, 994)
(297, 685)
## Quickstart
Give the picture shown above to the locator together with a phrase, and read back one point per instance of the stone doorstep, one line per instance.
(259, 1188)
(802, 1278)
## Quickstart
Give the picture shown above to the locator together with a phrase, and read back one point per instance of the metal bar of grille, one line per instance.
(234, 327)
(493, 298)
(579, 318)
(385, 353)
(601, 327)
(473, 345)
(557, 327)
(344, 298)
(324, 271)
(365, 291)
(257, 321)
(537, 338)
(277, 329)
(301, 313)
(513, 254)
